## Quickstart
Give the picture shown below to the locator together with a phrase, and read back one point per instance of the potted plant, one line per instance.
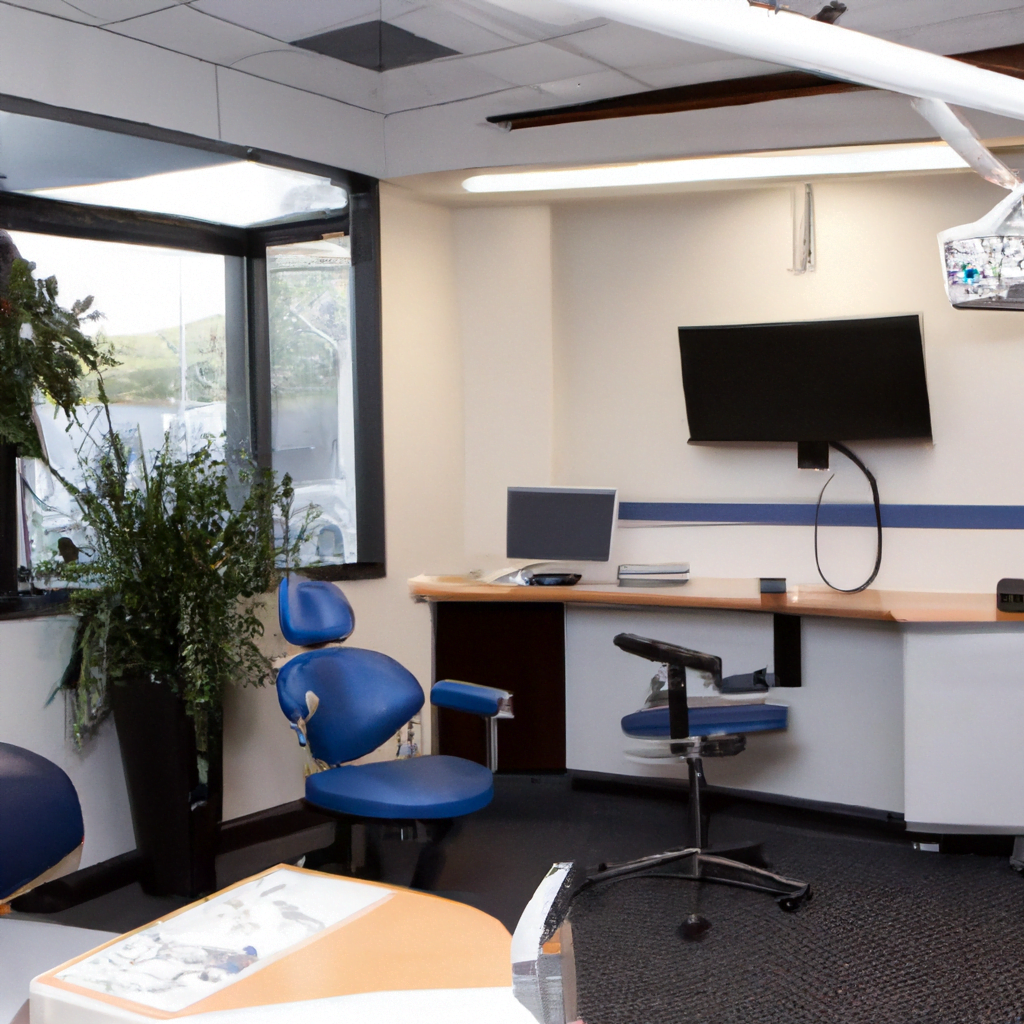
(167, 606)
(182, 550)
(43, 352)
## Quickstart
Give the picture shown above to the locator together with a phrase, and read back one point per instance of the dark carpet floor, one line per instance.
(892, 934)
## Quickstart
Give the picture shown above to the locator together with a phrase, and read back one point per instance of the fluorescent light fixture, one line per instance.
(240, 193)
(922, 156)
(798, 42)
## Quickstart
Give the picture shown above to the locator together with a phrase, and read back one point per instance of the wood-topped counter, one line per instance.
(734, 594)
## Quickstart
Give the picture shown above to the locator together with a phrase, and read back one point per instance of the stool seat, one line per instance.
(652, 723)
(435, 786)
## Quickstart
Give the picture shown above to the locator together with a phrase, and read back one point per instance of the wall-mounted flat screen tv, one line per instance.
(819, 380)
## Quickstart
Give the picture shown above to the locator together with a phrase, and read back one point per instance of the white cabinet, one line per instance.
(964, 713)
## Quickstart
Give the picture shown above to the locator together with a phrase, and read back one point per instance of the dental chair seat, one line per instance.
(416, 788)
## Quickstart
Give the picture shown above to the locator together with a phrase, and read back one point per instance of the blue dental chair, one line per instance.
(344, 703)
(41, 830)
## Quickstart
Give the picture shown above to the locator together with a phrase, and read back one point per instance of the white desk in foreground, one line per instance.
(290, 946)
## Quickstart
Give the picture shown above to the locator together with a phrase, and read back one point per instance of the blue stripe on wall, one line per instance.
(916, 517)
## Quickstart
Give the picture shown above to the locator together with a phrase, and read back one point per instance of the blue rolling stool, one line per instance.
(344, 702)
(41, 834)
(693, 734)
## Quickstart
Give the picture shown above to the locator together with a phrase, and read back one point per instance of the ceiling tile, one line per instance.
(961, 35)
(498, 18)
(388, 10)
(449, 29)
(442, 81)
(668, 76)
(187, 31)
(533, 63)
(881, 17)
(107, 11)
(622, 46)
(585, 88)
(286, 20)
(321, 75)
(59, 8)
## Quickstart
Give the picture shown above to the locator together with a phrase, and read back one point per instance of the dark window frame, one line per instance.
(361, 220)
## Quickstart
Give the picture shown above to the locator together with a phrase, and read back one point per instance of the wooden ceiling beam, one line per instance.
(732, 92)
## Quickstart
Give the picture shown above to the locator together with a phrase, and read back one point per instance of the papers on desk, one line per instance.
(174, 963)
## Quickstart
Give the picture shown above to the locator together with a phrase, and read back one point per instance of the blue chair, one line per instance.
(313, 612)
(691, 734)
(42, 833)
(344, 702)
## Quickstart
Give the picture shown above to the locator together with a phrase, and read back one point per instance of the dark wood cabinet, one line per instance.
(516, 647)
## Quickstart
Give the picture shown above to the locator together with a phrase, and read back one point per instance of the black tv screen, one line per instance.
(821, 380)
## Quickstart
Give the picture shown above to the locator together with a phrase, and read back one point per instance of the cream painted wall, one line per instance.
(503, 268)
(626, 272)
(723, 257)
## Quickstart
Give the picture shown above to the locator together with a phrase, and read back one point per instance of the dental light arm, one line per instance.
(963, 139)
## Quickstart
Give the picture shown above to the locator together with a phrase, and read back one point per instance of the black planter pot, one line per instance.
(175, 814)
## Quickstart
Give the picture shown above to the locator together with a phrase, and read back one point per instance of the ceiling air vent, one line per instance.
(376, 45)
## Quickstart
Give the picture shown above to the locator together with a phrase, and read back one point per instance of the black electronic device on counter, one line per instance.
(1010, 595)
(553, 579)
(813, 381)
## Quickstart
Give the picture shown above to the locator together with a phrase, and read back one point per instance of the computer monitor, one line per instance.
(563, 524)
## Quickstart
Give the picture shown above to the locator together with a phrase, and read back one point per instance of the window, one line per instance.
(230, 294)
(164, 315)
(309, 297)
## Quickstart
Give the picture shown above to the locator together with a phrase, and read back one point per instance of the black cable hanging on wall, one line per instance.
(878, 521)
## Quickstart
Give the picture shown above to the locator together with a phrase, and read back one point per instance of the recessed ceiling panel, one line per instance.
(377, 45)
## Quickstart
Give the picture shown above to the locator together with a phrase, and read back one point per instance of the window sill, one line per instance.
(34, 606)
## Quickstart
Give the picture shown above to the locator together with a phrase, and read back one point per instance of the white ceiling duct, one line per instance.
(800, 42)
